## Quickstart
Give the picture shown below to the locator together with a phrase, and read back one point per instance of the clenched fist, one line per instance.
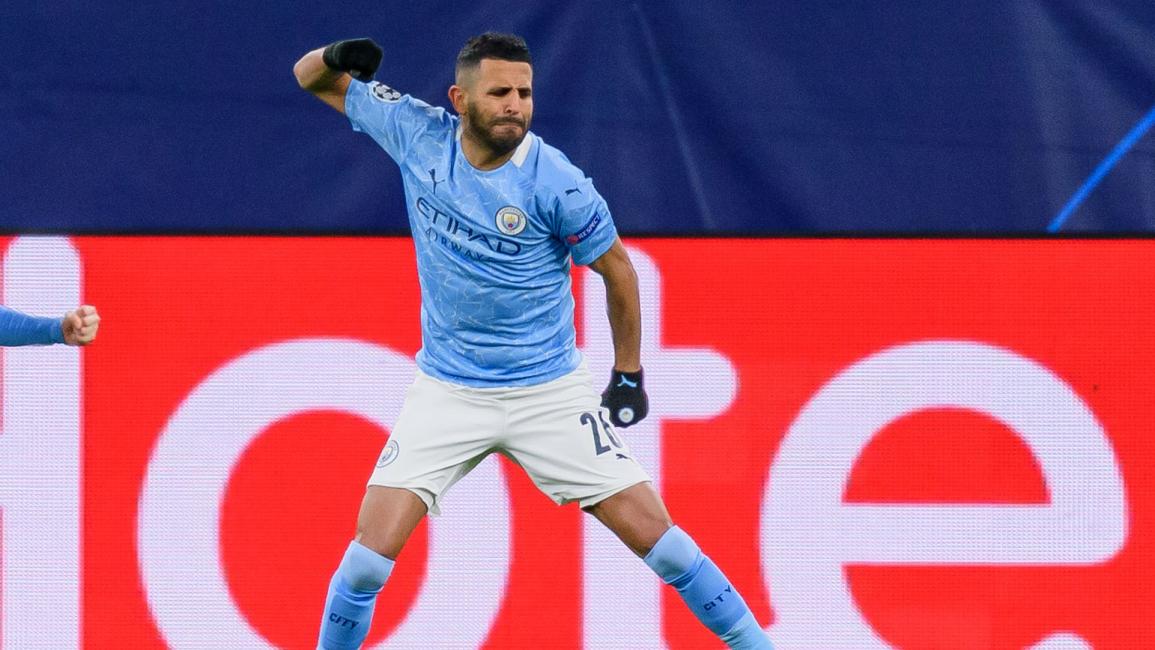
(80, 325)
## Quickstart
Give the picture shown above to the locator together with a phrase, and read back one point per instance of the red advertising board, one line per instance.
(884, 443)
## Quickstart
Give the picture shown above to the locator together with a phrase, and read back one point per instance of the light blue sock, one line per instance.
(352, 595)
(706, 591)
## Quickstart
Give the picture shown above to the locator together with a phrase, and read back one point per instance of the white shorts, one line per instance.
(556, 431)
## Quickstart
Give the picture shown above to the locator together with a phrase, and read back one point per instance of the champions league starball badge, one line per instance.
(384, 93)
(511, 220)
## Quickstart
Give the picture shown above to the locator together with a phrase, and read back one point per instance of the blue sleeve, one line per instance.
(579, 215)
(21, 329)
(392, 119)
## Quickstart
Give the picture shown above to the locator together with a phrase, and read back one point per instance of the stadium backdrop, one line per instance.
(889, 443)
(692, 117)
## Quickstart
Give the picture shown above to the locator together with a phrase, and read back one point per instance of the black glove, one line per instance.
(626, 398)
(359, 57)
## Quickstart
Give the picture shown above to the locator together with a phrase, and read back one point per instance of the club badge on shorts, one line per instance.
(392, 450)
(511, 220)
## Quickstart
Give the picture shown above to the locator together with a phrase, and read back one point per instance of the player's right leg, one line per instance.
(442, 432)
(388, 517)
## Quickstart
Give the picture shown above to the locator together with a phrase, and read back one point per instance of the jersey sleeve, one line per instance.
(392, 119)
(581, 218)
(17, 328)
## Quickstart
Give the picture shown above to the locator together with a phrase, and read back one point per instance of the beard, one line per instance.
(487, 132)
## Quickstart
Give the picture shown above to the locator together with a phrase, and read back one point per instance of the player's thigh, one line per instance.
(440, 435)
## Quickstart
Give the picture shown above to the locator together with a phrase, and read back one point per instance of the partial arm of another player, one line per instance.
(325, 71)
(78, 327)
(625, 397)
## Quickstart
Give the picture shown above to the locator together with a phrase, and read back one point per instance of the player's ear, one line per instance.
(457, 98)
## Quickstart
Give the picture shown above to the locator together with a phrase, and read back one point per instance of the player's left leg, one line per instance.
(558, 432)
(639, 518)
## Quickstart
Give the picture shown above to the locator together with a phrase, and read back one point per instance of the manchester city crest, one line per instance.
(510, 220)
(392, 450)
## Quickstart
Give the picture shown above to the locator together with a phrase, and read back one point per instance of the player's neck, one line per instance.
(480, 155)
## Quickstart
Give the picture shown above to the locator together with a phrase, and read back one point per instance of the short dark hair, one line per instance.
(492, 45)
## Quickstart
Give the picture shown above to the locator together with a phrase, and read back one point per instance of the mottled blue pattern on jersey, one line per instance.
(493, 247)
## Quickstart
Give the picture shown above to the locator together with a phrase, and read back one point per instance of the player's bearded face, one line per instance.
(500, 105)
(501, 133)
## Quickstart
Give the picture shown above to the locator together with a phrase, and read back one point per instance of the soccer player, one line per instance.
(78, 327)
(496, 216)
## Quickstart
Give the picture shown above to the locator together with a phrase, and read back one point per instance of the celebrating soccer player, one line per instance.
(496, 215)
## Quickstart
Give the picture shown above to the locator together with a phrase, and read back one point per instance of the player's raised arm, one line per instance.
(325, 71)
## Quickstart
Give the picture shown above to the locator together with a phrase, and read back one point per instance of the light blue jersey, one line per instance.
(493, 247)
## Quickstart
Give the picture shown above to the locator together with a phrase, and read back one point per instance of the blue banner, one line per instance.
(1026, 116)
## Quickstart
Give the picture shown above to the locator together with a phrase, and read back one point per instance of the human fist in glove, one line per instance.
(359, 57)
(625, 398)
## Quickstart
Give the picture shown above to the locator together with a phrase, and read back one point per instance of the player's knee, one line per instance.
(363, 569)
(649, 535)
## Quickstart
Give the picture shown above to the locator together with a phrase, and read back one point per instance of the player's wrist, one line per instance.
(634, 375)
(59, 330)
(329, 57)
